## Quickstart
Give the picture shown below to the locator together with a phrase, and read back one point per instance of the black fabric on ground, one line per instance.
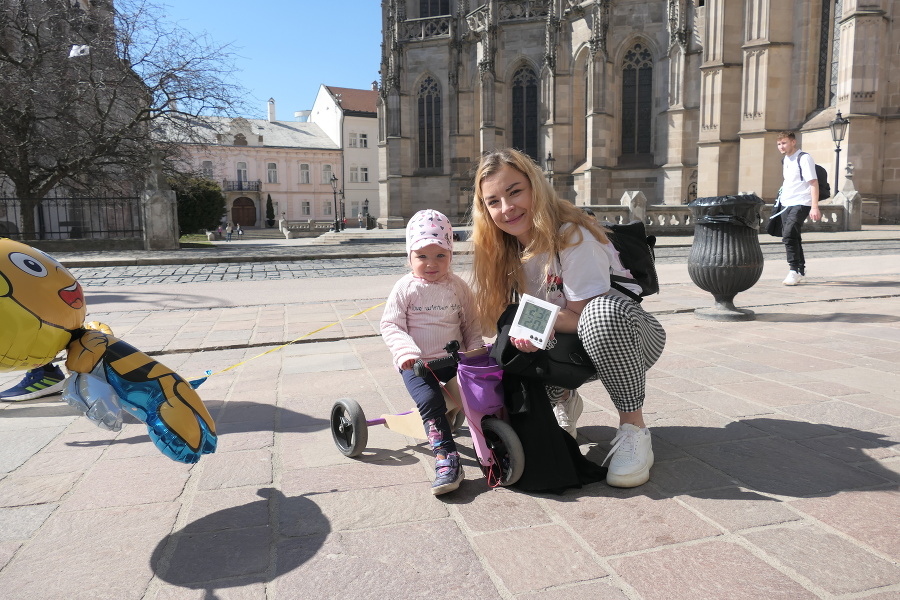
(553, 460)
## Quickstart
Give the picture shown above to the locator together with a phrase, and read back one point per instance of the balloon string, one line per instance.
(243, 362)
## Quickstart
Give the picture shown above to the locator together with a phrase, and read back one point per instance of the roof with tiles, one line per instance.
(356, 102)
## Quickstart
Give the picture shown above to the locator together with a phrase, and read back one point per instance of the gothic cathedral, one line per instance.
(673, 98)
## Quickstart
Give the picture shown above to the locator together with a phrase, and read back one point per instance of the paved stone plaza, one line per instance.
(777, 447)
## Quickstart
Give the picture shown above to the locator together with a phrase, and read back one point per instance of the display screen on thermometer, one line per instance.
(534, 320)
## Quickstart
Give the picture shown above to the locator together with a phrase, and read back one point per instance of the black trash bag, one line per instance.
(741, 209)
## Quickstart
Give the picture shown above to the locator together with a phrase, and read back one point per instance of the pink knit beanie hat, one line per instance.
(428, 227)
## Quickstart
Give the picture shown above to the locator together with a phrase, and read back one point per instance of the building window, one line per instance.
(272, 169)
(240, 140)
(525, 111)
(433, 8)
(326, 208)
(304, 208)
(830, 35)
(242, 171)
(304, 173)
(359, 140)
(359, 174)
(637, 100)
(206, 169)
(326, 174)
(429, 118)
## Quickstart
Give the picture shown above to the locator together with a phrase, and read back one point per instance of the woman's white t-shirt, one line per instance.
(581, 273)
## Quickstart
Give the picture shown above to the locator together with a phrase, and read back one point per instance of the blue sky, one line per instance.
(290, 48)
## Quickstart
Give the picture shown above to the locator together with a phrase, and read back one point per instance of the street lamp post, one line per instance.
(343, 216)
(548, 166)
(366, 212)
(334, 183)
(838, 131)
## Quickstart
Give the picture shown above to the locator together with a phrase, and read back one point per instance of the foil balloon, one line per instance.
(42, 311)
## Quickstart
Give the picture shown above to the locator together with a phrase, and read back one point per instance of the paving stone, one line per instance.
(736, 508)
(375, 564)
(18, 490)
(835, 564)
(852, 512)
(715, 569)
(696, 427)
(781, 467)
(237, 591)
(484, 510)
(534, 558)
(19, 446)
(219, 510)
(725, 404)
(20, 522)
(609, 519)
(114, 566)
(687, 475)
(843, 414)
(361, 509)
(7, 551)
(49, 462)
(599, 590)
(235, 469)
(354, 475)
(149, 480)
(199, 558)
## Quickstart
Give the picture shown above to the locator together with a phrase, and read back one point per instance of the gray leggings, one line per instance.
(623, 341)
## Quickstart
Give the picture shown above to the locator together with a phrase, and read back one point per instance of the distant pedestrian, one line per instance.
(219, 232)
(240, 232)
(800, 198)
(229, 228)
(360, 220)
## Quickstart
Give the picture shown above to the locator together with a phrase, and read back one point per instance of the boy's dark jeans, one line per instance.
(791, 222)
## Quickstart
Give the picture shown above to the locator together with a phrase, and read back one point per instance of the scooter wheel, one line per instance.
(348, 427)
(507, 449)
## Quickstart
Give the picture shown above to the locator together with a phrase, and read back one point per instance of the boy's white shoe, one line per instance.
(632, 457)
(793, 278)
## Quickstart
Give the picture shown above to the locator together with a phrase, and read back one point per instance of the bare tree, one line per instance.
(92, 88)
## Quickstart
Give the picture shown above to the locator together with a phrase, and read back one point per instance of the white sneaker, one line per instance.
(567, 411)
(793, 278)
(632, 457)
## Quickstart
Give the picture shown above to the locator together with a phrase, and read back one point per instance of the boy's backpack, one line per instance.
(821, 175)
(635, 249)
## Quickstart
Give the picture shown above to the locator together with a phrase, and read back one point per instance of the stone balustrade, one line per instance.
(299, 229)
(839, 213)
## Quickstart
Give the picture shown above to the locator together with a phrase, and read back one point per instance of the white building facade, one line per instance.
(349, 118)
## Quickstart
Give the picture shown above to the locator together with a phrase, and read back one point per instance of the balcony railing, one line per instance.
(424, 29)
(241, 186)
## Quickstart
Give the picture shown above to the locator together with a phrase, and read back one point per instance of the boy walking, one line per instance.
(800, 199)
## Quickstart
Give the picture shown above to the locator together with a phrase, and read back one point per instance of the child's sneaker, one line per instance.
(37, 383)
(567, 412)
(632, 457)
(448, 474)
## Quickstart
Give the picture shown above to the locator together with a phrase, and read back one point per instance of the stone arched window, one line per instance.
(525, 111)
(829, 48)
(428, 113)
(637, 100)
(240, 139)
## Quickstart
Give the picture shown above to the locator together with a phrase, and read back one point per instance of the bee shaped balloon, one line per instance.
(42, 311)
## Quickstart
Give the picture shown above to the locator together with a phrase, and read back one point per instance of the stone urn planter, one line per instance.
(725, 258)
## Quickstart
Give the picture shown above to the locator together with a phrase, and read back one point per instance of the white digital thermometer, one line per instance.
(534, 320)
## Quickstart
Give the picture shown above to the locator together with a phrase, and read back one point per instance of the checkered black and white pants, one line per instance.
(623, 341)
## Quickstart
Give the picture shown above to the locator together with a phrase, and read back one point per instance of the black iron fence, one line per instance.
(241, 186)
(70, 218)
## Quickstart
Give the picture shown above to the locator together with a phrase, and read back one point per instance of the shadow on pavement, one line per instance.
(772, 456)
(234, 547)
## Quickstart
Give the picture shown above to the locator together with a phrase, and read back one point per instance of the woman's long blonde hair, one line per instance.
(498, 257)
